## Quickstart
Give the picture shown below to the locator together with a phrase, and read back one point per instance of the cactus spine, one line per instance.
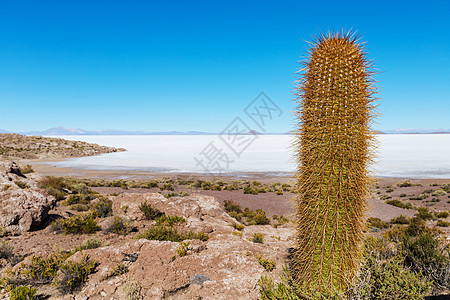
(334, 147)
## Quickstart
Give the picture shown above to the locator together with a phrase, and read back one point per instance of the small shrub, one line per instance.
(257, 238)
(103, 207)
(407, 183)
(21, 184)
(79, 207)
(161, 233)
(43, 269)
(118, 270)
(167, 187)
(183, 249)
(74, 274)
(281, 221)
(164, 232)
(238, 226)
(184, 194)
(399, 203)
(6, 250)
(442, 223)
(77, 224)
(441, 214)
(286, 289)
(120, 226)
(150, 213)
(257, 217)
(91, 243)
(22, 293)
(57, 183)
(132, 290)
(377, 223)
(424, 214)
(6, 187)
(238, 233)
(439, 193)
(77, 199)
(231, 206)
(400, 220)
(268, 264)
(197, 236)
(170, 220)
(3, 231)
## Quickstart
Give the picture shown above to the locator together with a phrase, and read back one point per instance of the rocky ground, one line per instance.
(226, 265)
(16, 146)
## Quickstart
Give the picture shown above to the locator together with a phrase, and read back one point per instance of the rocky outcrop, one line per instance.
(23, 206)
(16, 146)
(224, 267)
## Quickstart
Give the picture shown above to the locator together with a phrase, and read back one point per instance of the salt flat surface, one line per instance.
(399, 155)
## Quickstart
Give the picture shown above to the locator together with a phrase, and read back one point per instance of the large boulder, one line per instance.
(23, 206)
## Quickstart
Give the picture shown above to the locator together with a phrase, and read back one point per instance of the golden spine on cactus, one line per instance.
(334, 148)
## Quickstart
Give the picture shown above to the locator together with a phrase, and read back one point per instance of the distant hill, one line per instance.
(77, 131)
(418, 131)
(3, 131)
(16, 146)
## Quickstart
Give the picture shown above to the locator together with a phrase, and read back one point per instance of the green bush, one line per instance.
(268, 264)
(120, 225)
(183, 248)
(286, 289)
(389, 280)
(118, 270)
(400, 220)
(439, 193)
(442, 223)
(6, 187)
(89, 243)
(399, 203)
(170, 220)
(167, 187)
(77, 224)
(43, 269)
(231, 206)
(77, 199)
(441, 214)
(6, 250)
(79, 207)
(57, 183)
(258, 238)
(103, 207)
(22, 293)
(377, 223)
(150, 213)
(238, 226)
(424, 214)
(257, 217)
(164, 230)
(74, 274)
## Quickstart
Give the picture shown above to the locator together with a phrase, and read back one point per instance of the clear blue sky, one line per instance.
(195, 65)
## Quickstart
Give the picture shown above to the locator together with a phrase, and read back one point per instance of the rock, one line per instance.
(13, 168)
(224, 267)
(21, 208)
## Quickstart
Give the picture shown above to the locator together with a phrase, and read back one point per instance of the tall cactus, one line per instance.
(334, 147)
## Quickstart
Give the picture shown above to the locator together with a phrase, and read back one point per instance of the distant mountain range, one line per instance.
(77, 131)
